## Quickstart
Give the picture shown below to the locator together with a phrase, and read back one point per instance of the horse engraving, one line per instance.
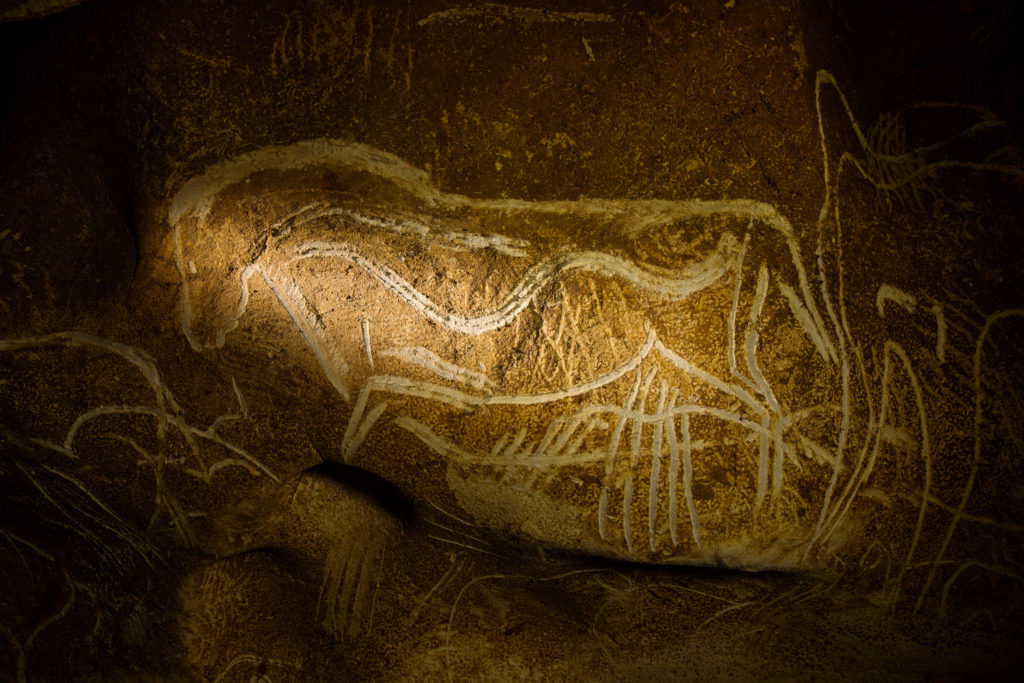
(674, 381)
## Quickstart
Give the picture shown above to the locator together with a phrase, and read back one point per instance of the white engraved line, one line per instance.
(307, 320)
(763, 453)
(652, 489)
(445, 447)
(187, 431)
(592, 421)
(806, 324)
(859, 478)
(557, 425)
(634, 452)
(620, 425)
(637, 425)
(887, 292)
(566, 434)
(554, 428)
(922, 417)
(497, 444)
(732, 316)
(627, 514)
(591, 413)
(197, 195)
(427, 359)
(695, 278)
(823, 78)
(464, 401)
(613, 447)
(688, 478)
(504, 245)
(514, 446)
(726, 388)
(673, 475)
(137, 357)
(845, 416)
(750, 345)
(364, 324)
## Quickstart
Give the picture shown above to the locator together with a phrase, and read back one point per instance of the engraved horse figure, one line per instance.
(587, 373)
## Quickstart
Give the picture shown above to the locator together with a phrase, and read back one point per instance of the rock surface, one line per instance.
(387, 340)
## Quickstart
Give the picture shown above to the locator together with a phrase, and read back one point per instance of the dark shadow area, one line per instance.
(380, 490)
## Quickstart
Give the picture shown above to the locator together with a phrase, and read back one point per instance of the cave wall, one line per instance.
(770, 247)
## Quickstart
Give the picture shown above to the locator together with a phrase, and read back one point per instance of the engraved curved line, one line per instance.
(504, 245)
(750, 344)
(453, 241)
(887, 292)
(197, 195)
(620, 424)
(706, 377)
(803, 318)
(688, 475)
(845, 415)
(673, 482)
(893, 347)
(979, 395)
(364, 326)
(694, 278)
(188, 432)
(823, 78)
(831, 191)
(427, 359)
(738, 268)
(831, 200)
(464, 401)
(995, 569)
(137, 357)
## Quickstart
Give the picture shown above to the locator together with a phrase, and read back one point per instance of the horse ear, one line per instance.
(842, 139)
(844, 151)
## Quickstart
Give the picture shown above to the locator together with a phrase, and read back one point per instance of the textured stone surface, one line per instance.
(404, 341)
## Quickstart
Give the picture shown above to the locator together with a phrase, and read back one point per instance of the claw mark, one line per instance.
(351, 572)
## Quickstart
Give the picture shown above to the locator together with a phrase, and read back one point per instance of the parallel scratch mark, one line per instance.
(652, 496)
(673, 479)
(688, 479)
